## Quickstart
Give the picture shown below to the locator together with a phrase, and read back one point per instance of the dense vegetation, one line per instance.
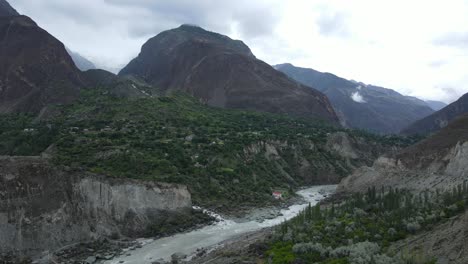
(226, 157)
(361, 229)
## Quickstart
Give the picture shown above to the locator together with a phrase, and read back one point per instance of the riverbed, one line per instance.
(209, 236)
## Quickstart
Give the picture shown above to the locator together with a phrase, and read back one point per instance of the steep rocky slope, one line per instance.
(223, 72)
(43, 207)
(439, 162)
(439, 119)
(448, 241)
(362, 106)
(35, 68)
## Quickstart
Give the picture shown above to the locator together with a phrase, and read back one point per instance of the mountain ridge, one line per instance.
(33, 77)
(360, 105)
(439, 119)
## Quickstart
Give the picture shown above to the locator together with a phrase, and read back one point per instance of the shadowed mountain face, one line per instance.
(35, 68)
(439, 119)
(6, 9)
(436, 105)
(362, 106)
(223, 72)
(437, 145)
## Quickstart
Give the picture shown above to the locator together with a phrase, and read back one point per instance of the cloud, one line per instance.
(220, 16)
(111, 32)
(362, 39)
(437, 63)
(333, 24)
(458, 40)
(357, 97)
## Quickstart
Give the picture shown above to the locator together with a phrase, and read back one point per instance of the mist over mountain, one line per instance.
(359, 105)
(436, 105)
(81, 62)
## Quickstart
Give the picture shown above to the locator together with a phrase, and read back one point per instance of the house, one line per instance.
(277, 195)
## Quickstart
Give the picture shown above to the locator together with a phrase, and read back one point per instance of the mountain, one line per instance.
(362, 106)
(436, 105)
(81, 62)
(224, 73)
(436, 162)
(439, 119)
(35, 68)
(6, 9)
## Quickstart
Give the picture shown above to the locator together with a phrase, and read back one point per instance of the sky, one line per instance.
(418, 48)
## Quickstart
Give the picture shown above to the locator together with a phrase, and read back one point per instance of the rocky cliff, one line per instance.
(439, 162)
(45, 208)
(224, 73)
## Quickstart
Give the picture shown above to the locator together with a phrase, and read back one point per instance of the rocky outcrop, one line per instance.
(439, 162)
(45, 208)
(359, 105)
(35, 69)
(224, 73)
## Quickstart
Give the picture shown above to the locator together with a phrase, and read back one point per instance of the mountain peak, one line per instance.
(6, 9)
(223, 72)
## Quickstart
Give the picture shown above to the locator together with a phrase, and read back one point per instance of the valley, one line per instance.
(198, 151)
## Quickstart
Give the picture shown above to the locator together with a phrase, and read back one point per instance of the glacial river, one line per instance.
(188, 243)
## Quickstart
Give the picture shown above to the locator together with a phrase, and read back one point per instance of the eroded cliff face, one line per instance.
(443, 172)
(306, 162)
(44, 208)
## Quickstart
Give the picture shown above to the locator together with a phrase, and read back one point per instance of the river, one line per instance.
(188, 243)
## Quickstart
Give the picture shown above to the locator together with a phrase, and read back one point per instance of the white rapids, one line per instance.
(209, 236)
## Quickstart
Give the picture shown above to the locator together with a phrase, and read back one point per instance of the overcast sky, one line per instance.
(418, 48)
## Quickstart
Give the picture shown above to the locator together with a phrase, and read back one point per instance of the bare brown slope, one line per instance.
(35, 69)
(223, 72)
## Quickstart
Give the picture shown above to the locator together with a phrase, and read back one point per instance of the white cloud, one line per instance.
(415, 47)
(357, 97)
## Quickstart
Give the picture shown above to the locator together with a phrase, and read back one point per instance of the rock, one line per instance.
(90, 260)
(178, 256)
